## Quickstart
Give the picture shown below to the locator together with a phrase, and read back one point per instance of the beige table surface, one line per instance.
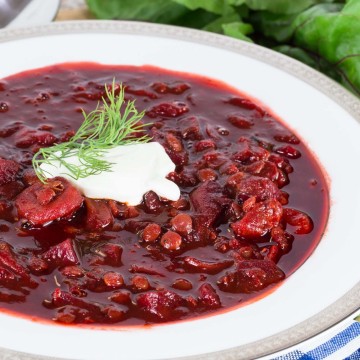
(73, 10)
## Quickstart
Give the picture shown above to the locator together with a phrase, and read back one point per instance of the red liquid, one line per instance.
(50, 100)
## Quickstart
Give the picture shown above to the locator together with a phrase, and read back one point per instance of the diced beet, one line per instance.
(11, 189)
(8, 171)
(98, 214)
(203, 234)
(194, 265)
(183, 178)
(190, 128)
(246, 104)
(209, 202)
(240, 122)
(61, 298)
(281, 162)
(299, 219)
(248, 152)
(152, 202)
(110, 254)
(234, 212)
(287, 138)
(288, 151)
(37, 265)
(171, 109)
(7, 278)
(202, 145)
(208, 297)
(282, 238)
(250, 276)
(67, 200)
(259, 220)
(174, 142)
(122, 211)
(261, 188)
(62, 254)
(27, 137)
(262, 168)
(140, 92)
(172, 88)
(144, 270)
(161, 304)
(72, 271)
(11, 263)
(176, 156)
(207, 175)
(11, 129)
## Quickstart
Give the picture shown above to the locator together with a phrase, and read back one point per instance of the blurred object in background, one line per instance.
(10, 9)
(16, 13)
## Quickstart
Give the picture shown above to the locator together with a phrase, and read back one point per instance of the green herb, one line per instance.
(111, 124)
(324, 34)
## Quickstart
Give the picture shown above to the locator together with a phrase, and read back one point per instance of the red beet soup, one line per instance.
(253, 206)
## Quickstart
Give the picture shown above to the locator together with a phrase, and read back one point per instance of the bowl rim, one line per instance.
(333, 314)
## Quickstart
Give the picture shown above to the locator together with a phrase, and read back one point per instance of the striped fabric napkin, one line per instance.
(342, 342)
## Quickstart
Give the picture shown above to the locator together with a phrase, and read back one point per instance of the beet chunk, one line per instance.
(8, 171)
(259, 220)
(62, 254)
(152, 202)
(209, 202)
(13, 273)
(93, 312)
(261, 188)
(28, 137)
(171, 109)
(250, 276)
(98, 214)
(192, 264)
(208, 296)
(299, 219)
(248, 152)
(161, 304)
(43, 203)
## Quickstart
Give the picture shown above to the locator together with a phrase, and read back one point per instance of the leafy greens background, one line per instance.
(322, 34)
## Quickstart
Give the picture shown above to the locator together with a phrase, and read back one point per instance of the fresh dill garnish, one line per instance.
(111, 124)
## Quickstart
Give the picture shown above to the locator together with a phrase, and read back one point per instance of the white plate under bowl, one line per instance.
(321, 293)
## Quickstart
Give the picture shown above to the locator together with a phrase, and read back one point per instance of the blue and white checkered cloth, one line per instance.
(339, 343)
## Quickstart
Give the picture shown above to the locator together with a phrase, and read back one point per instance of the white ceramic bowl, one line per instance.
(322, 292)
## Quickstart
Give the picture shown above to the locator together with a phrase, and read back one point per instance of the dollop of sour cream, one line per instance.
(136, 169)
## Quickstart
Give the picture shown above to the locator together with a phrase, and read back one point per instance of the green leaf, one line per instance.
(357, 318)
(216, 25)
(214, 6)
(195, 19)
(162, 11)
(333, 36)
(238, 30)
(277, 26)
(283, 6)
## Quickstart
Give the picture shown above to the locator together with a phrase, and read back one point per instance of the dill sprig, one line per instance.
(111, 124)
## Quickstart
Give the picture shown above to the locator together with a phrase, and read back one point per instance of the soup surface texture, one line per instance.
(253, 203)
